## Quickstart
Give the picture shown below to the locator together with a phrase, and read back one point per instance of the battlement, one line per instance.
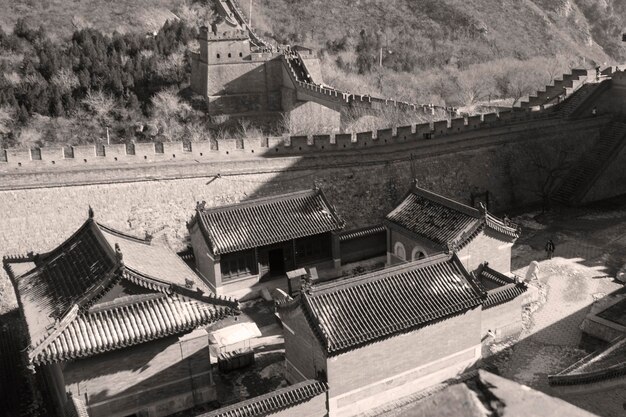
(235, 34)
(464, 128)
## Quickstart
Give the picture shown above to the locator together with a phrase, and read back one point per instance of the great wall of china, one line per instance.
(150, 187)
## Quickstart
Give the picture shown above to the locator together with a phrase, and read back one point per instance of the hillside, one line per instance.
(466, 31)
(75, 71)
(436, 31)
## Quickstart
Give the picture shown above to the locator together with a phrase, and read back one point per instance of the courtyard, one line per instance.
(590, 250)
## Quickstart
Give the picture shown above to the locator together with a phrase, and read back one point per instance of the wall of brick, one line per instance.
(161, 377)
(204, 261)
(308, 116)
(398, 366)
(303, 352)
(411, 243)
(401, 353)
(611, 182)
(503, 320)
(43, 205)
(487, 246)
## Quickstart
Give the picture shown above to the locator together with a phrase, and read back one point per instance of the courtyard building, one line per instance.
(115, 324)
(426, 223)
(386, 334)
(243, 247)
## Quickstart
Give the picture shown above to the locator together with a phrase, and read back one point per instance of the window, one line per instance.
(399, 251)
(238, 264)
(417, 254)
(218, 56)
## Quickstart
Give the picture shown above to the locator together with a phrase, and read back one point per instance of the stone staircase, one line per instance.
(567, 108)
(586, 171)
(300, 71)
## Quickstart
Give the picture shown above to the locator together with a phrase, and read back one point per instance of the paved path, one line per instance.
(578, 272)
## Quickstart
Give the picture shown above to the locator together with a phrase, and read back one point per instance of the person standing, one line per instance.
(550, 248)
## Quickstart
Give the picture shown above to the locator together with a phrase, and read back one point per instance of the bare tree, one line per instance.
(169, 113)
(100, 104)
(6, 119)
(540, 166)
(66, 80)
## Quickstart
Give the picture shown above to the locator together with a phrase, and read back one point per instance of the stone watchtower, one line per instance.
(235, 78)
(241, 76)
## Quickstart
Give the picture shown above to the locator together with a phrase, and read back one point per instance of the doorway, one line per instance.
(276, 261)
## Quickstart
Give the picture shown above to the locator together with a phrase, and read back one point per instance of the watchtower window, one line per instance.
(218, 56)
(240, 55)
(229, 55)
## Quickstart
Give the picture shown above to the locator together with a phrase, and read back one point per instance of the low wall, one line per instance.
(362, 244)
(221, 149)
(503, 320)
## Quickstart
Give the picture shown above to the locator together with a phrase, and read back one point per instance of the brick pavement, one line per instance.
(578, 271)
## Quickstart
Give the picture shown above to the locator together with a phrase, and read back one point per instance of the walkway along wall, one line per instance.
(42, 203)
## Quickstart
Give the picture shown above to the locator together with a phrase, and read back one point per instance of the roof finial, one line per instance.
(118, 252)
(148, 237)
(482, 208)
(90, 212)
(452, 247)
(200, 205)
(416, 183)
(305, 283)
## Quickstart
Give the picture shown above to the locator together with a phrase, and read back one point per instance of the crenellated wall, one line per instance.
(364, 176)
(221, 149)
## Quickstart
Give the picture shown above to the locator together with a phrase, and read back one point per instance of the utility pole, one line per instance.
(380, 58)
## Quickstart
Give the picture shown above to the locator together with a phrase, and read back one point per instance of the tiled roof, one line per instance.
(151, 260)
(265, 221)
(86, 297)
(499, 287)
(272, 402)
(365, 231)
(73, 273)
(354, 311)
(444, 221)
(125, 322)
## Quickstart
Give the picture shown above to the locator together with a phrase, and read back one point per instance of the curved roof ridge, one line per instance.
(323, 287)
(265, 221)
(254, 201)
(445, 201)
(272, 402)
(143, 279)
(155, 318)
(122, 234)
(497, 224)
(36, 349)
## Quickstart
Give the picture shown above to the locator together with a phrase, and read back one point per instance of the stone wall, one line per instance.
(304, 358)
(162, 377)
(487, 246)
(503, 320)
(406, 363)
(611, 182)
(42, 205)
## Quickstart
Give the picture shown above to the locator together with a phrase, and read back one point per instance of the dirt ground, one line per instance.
(590, 249)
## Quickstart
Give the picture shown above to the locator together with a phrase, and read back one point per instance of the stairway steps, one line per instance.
(581, 177)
